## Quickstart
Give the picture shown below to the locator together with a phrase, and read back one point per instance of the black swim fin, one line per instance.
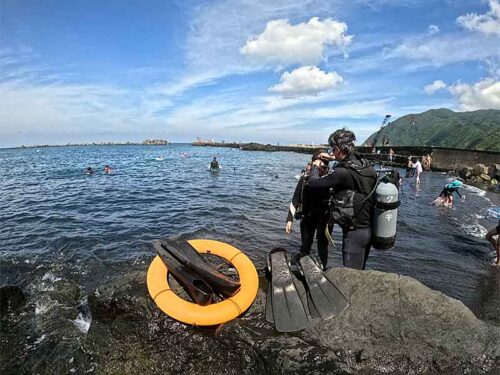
(284, 306)
(190, 258)
(194, 285)
(324, 295)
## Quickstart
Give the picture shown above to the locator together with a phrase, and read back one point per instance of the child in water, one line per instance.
(446, 196)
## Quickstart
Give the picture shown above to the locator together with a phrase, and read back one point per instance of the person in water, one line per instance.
(391, 154)
(353, 182)
(410, 170)
(448, 190)
(107, 169)
(496, 243)
(415, 163)
(89, 171)
(214, 164)
(426, 162)
(312, 208)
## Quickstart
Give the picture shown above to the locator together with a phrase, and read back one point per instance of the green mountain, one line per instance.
(477, 130)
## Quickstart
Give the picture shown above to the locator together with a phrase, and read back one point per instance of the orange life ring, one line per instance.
(216, 313)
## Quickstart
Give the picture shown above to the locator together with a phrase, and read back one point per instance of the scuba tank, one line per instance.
(385, 215)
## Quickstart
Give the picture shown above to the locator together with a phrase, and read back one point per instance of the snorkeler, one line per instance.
(214, 164)
(89, 171)
(107, 169)
(447, 193)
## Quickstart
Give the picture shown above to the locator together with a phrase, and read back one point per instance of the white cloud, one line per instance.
(484, 94)
(432, 29)
(488, 24)
(305, 81)
(434, 86)
(304, 43)
(445, 49)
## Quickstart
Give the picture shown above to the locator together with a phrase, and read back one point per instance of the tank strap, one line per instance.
(387, 206)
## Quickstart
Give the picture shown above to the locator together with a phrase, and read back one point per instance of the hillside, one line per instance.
(478, 130)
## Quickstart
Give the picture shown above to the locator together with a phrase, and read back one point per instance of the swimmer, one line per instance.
(107, 169)
(214, 164)
(496, 243)
(89, 171)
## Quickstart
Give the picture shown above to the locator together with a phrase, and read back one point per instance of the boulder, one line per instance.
(485, 177)
(465, 173)
(480, 169)
(493, 182)
(394, 325)
(393, 322)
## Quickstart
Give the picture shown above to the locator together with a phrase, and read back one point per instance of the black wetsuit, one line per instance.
(214, 165)
(356, 241)
(312, 208)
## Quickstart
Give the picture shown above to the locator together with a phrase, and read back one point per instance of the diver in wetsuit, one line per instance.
(353, 184)
(312, 208)
(214, 164)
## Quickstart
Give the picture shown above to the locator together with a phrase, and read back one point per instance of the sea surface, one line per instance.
(57, 222)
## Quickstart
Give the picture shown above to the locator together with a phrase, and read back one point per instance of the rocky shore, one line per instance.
(394, 325)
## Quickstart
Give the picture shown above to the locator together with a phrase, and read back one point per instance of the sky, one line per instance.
(268, 71)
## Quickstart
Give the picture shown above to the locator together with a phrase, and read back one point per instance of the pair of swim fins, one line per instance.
(198, 278)
(291, 305)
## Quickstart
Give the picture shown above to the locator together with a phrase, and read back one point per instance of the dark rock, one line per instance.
(394, 325)
(465, 173)
(11, 298)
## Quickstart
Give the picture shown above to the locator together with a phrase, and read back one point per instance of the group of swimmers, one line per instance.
(89, 171)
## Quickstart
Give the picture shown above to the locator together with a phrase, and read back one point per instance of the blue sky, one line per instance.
(238, 70)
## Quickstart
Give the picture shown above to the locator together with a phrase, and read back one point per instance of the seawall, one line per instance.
(443, 159)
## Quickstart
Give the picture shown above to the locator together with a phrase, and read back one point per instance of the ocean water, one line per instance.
(56, 222)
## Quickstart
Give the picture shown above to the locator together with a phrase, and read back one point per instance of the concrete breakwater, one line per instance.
(443, 159)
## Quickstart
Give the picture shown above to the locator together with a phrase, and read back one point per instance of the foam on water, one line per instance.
(49, 276)
(474, 230)
(82, 322)
(475, 190)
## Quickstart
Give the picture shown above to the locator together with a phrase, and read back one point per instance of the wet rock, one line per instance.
(394, 325)
(493, 182)
(11, 298)
(465, 173)
(485, 177)
(393, 322)
(42, 336)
